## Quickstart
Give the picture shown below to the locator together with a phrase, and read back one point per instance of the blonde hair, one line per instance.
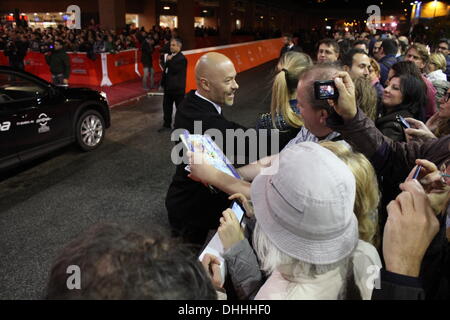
(366, 97)
(367, 192)
(284, 86)
(375, 67)
(438, 60)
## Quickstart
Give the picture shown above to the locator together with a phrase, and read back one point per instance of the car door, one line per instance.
(37, 113)
(8, 150)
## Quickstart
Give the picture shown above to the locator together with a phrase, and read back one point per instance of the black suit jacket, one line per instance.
(174, 76)
(286, 49)
(190, 204)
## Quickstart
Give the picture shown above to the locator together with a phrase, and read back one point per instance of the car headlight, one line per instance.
(105, 96)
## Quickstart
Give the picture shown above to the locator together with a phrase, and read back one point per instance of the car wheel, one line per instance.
(90, 130)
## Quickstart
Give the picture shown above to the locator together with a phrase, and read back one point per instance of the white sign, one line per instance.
(375, 19)
(74, 17)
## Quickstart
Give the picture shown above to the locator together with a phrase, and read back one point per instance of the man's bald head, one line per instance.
(211, 64)
(215, 76)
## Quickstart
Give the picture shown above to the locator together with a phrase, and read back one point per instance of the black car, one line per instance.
(37, 117)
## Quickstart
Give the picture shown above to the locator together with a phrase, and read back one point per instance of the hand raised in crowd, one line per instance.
(418, 131)
(247, 204)
(346, 104)
(409, 230)
(212, 267)
(434, 184)
(230, 230)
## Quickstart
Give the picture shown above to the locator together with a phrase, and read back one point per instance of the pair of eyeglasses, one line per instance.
(447, 97)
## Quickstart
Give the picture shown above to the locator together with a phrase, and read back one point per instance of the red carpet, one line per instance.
(123, 92)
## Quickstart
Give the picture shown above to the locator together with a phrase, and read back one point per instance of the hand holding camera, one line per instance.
(340, 94)
(326, 90)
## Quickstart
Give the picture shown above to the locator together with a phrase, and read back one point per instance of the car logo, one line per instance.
(43, 120)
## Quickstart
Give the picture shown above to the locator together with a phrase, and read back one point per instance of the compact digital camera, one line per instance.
(326, 90)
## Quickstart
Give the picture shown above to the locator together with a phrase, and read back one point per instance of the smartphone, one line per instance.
(403, 122)
(325, 90)
(238, 210)
(416, 174)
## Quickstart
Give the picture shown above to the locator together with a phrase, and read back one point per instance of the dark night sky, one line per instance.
(340, 4)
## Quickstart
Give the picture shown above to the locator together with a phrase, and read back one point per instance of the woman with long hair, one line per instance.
(367, 191)
(405, 96)
(439, 124)
(284, 114)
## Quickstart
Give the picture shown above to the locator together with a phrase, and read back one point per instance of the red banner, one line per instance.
(85, 71)
(35, 63)
(122, 66)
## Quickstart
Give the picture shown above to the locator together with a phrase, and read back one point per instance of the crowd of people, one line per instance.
(92, 39)
(302, 238)
(17, 41)
(360, 182)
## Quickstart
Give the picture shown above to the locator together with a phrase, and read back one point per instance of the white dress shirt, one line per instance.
(218, 108)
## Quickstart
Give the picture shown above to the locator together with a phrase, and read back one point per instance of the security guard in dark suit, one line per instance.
(289, 45)
(173, 81)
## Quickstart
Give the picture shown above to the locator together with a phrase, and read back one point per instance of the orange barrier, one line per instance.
(122, 66)
(245, 56)
(213, 41)
(110, 69)
(85, 71)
